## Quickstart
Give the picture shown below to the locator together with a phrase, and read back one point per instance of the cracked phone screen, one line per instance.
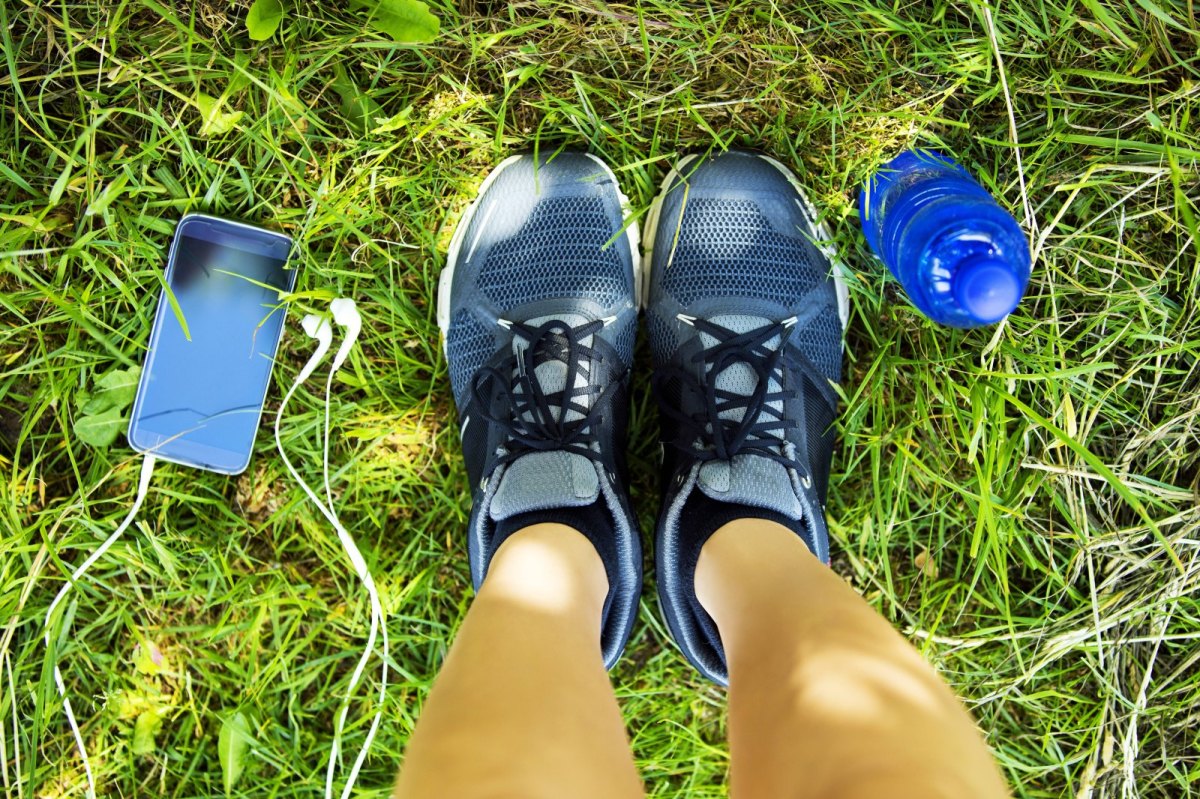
(203, 386)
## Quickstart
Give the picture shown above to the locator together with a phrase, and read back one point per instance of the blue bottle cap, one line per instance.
(986, 289)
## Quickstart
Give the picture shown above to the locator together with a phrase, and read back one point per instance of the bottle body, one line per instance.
(962, 259)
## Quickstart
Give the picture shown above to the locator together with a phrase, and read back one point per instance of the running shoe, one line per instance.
(746, 314)
(538, 309)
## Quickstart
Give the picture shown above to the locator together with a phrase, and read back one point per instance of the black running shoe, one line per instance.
(746, 314)
(538, 309)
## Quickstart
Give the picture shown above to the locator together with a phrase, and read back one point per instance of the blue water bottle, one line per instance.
(962, 259)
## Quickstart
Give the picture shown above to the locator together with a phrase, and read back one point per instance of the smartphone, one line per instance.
(216, 331)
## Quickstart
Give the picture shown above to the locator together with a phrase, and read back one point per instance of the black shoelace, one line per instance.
(536, 419)
(717, 432)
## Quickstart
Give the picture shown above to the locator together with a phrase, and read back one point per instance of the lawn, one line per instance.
(1022, 501)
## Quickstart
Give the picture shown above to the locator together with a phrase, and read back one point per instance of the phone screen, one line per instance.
(211, 351)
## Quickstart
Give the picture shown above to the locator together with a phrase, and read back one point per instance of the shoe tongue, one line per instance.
(551, 374)
(751, 480)
(541, 480)
(556, 479)
(747, 479)
(740, 378)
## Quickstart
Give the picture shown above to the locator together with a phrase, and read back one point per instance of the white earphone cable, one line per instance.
(356, 557)
(76, 575)
(360, 568)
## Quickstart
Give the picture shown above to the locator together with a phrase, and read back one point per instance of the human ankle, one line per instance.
(744, 560)
(548, 567)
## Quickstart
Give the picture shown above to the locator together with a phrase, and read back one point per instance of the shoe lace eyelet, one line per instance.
(806, 481)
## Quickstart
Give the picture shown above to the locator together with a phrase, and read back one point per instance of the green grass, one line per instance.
(1024, 502)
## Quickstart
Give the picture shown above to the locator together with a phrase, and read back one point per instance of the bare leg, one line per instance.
(826, 699)
(523, 706)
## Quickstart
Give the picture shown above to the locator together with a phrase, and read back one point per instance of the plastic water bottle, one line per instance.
(962, 259)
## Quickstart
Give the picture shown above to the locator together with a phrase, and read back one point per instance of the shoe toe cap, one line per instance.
(737, 171)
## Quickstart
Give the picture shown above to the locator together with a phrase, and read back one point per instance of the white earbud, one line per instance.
(317, 328)
(345, 313)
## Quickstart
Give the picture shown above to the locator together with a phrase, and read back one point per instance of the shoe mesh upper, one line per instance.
(624, 337)
(467, 350)
(818, 428)
(820, 340)
(559, 252)
(730, 250)
(662, 338)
